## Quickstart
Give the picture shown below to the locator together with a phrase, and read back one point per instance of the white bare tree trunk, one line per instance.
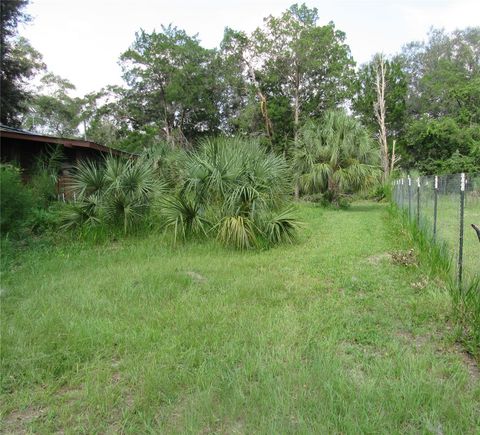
(263, 102)
(380, 109)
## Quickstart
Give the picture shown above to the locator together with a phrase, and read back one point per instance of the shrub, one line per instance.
(45, 219)
(16, 202)
(117, 193)
(43, 182)
(184, 216)
(381, 192)
(232, 188)
(43, 187)
(281, 226)
(435, 146)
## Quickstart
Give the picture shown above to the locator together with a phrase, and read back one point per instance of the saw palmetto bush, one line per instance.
(114, 193)
(167, 161)
(335, 157)
(236, 191)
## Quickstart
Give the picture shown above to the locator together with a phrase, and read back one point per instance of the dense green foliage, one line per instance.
(117, 193)
(265, 84)
(172, 84)
(230, 189)
(442, 146)
(16, 201)
(53, 111)
(335, 157)
(443, 101)
(239, 189)
(30, 206)
(395, 95)
(19, 62)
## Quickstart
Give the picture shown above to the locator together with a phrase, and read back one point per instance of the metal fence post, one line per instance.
(401, 191)
(409, 198)
(435, 204)
(418, 201)
(460, 244)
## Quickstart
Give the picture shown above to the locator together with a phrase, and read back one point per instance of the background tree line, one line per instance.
(424, 101)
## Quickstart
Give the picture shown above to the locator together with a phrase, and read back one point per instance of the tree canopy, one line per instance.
(266, 84)
(19, 62)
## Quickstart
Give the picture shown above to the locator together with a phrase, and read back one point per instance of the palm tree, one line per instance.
(335, 157)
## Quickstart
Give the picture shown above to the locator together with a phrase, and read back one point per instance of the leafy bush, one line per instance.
(335, 157)
(16, 201)
(167, 161)
(43, 187)
(281, 226)
(237, 231)
(184, 216)
(435, 146)
(381, 191)
(45, 219)
(43, 181)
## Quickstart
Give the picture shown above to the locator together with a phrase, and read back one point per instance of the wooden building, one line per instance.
(24, 148)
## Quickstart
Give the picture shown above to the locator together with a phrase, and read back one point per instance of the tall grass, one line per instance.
(465, 297)
(466, 302)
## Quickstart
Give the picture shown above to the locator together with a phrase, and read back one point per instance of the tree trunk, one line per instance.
(393, 157)
(263, 103)
(296, 103)
(380, 108)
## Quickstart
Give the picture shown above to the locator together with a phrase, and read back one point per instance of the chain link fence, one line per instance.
(447, 208)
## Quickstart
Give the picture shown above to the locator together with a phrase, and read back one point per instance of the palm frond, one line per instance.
(281, 227)
(237, 231)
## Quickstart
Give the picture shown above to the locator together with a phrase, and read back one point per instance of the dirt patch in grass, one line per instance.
(469, 362)
(379, 258)
(420, 341)
(17, 422)
(196, 276)
(404, 258)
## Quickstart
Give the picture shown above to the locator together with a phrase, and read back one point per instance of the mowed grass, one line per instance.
(325, 336)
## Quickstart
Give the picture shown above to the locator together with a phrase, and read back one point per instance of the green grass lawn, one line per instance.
(326, 336)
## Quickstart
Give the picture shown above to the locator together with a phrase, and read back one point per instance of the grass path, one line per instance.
(327, 336)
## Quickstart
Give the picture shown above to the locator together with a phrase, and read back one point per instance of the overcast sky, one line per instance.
(81, 40)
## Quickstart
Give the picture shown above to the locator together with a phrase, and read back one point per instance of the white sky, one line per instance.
(81, 40)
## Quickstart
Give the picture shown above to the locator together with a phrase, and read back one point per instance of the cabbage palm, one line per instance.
(335, 157)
